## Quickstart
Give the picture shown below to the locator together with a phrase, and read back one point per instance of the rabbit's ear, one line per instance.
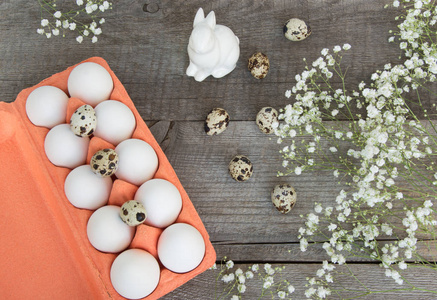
(210, 19)
(200, 15)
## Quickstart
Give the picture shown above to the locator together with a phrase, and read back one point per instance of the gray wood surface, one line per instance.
(147, 52)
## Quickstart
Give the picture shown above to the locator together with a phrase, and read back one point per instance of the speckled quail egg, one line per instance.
(296, 30)
(283, 197)
(133, 213)
(240, 168)
(216, 121)
(104, 162)
(258, 65)
(83, 121)
(267, 119)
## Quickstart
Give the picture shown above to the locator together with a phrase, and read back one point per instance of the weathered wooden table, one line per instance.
(144, 42)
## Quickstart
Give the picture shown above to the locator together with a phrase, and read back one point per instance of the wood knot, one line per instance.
(151, 7)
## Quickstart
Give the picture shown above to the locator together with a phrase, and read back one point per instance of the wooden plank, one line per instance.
(242, 212)
(291, 253)
(160, 131)
(148, 53)
(203, 286)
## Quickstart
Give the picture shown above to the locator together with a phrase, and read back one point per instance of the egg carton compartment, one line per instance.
(54, 256)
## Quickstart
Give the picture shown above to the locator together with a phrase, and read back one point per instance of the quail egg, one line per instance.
(240, 168)
(258, 65)
(133, 213)
(216, 121)
(83, 121)
(296, 30)
(283, 197)
(267, 119)
(104, 162)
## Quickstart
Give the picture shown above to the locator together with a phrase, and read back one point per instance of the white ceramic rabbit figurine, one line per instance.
(212, 49)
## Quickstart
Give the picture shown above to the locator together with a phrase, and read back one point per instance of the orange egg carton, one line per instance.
(45, 252)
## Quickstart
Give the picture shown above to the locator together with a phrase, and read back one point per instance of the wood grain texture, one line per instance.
(203, 286)
(242, 212)
(291, 253)
(148, 52)
(146, 48)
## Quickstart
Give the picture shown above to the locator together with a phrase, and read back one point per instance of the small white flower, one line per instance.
(427, 204)
(288, 93)
(228, 278)
(402, 265)
(65, 24)
(269, 270)
(337, 49)
(323, 292)
(346, 47)
(309, 292)
(255, 268)
(291, 289)
(57, 14)
(303, 244)
(72, 26)
(320, 272)
(298, 170)
(332, 227)
(94, 39)
(325, 51)
(44, 22)
(40, 31)
(268, 282)
(55, 31)
(79, 39)
(79, 2)
(229, 264)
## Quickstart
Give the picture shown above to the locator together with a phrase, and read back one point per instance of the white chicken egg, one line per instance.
(84, 189)
(90, 82)
(65, 149)
(181, 248)
(137, 161)
(47, 106)
(135, 274)
(107, 232)
(162, 201)
(115, 121)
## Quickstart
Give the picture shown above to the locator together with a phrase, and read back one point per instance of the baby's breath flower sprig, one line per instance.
(270, 280)
(383, 151)
(80, 16)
